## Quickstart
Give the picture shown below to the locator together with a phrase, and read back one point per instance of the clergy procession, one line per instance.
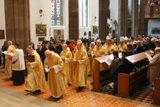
(61, 64)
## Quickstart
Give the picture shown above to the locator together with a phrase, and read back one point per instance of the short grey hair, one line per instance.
(10, 42)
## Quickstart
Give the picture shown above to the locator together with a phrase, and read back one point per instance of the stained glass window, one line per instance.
(56, 12)
(83, 14)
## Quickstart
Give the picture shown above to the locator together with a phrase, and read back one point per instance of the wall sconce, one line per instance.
(41, 12)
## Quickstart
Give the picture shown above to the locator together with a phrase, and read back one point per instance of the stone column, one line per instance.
(122, 19)
(73, 19)
(134, 18)
(143, 21)
(126, 17)
(103, 15)
(17, 21)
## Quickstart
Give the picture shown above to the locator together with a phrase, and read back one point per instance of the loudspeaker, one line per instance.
(89, 33)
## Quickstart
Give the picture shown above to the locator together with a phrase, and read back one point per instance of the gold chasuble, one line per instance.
(35, 79)
(55, 77)
(110, 48)
(122, 47)
(88, 66)
(80, 68)
(97, 52)
(8, 64)
(66, 56)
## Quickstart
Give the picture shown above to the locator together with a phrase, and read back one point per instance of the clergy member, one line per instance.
(35, 81)
(98, 51)
(9, 54)
(18, 66)
(66, 56)
(122, 46)
(90, 56)
(53, 65)
(153, 70)
(80, 63)
(110, 48)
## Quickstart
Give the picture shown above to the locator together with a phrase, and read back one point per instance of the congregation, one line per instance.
(63, 63)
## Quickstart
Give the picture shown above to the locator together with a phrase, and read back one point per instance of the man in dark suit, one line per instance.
(116, 67)
(39, 49)
(44, 48)
(59, 46)
(53, 47)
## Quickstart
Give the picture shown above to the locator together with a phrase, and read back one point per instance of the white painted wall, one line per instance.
(153, 23)
(45, 5)
(35, 18)
(2, 20)
(93, 11)
(114, 10)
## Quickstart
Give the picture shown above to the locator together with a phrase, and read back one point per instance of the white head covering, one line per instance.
(107, 37)
(126, 38)
(121, 39)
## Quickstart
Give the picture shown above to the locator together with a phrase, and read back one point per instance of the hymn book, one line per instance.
(56, 69)
(31, 58)
(108, 61)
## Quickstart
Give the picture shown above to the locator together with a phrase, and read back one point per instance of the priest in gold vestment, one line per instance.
(110, 48)
(35, 81)
(54, 64)
(98, 51)
(88, 67)
(122, 46)
(80, 63)
(66, 56)
(90, 56)
(8, 55)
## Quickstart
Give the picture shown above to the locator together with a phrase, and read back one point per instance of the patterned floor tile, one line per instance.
(86, 98)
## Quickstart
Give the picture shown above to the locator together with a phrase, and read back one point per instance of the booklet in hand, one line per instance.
(31, 58)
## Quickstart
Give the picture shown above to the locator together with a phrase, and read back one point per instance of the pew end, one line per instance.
(123, 85)
(157, 91)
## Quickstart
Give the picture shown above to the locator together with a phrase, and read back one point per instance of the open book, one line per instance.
(47, 69)
(4, 52)
(148, 57)
(108, 61)
(56, 69)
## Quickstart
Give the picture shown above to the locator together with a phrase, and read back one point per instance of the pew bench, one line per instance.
(157, 91)
(128, 82)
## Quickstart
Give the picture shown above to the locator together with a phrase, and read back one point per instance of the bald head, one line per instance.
(64, 46)
(92, 44)
(79, 41)
(98, 43)
(9, 42)
(79, 45)
(48, 54)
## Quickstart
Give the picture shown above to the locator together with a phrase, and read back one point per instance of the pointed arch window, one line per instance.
(83, 14)
(56, 12)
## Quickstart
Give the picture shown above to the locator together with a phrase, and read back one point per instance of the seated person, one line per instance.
(127, 66)
(116, 67)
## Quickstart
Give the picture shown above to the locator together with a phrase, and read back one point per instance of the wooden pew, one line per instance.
(101, 75)
(127, 82)
(157, 91)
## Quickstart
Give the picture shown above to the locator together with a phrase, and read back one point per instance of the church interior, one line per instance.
(132, 27)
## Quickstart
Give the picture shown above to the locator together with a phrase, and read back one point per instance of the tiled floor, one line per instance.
(86, 98)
